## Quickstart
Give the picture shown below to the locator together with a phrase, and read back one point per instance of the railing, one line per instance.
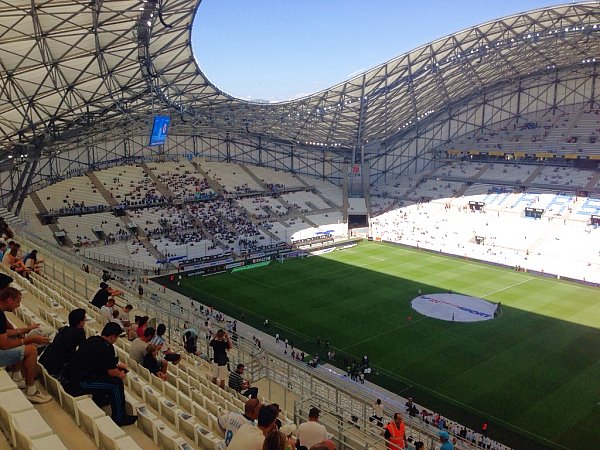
(115, 260)
(351, 433)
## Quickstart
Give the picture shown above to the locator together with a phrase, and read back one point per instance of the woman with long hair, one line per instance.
(275, 440)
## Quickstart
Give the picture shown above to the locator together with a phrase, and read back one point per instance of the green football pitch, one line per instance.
(533, 373)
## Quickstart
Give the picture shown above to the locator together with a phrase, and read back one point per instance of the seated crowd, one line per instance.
(22, 263)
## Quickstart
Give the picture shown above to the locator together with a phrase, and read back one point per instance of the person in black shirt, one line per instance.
(94, 369)
(5, 281)
(151, 363)
(221, 344)
(101, 297)
(65, 343)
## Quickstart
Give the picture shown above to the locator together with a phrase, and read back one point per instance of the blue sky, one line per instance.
(281, 49)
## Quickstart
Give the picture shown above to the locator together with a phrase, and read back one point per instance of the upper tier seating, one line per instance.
(69, 193)
(305, 201)
(328, 190)
(573, 132)
(129, 184)
(262, 206)
(275, 179)
(80, 228)
(433, 189)
(229, 175)
(181, 178)
(564, 176)
(226, 224)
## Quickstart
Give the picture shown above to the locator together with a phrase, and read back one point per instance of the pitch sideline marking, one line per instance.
(508, 287)
(284, 327)
(384, 332)
(339, 274)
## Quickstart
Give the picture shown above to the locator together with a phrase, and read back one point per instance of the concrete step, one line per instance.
(108, 197)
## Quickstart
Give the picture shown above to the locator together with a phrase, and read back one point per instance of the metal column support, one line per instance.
(21, 190)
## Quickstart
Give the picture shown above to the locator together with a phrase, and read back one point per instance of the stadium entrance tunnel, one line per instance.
(455, 307)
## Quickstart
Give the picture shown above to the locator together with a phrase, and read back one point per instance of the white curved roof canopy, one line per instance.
(71, 68)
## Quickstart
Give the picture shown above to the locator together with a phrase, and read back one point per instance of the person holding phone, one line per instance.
(220, 344)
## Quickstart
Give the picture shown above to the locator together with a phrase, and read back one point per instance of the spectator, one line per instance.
(138, 351)
(230, 423)
(288, 430)
(101, 296)
(124, 315)
(34, 263)
(445, 440)
(311, 432)
(377, 413)
(395, 433)
(95, 370)
(275, 440)
(5, 281)
(151, 363)
(132, 333)
(115, 319)
(238, 384)
(12, 260)
(221, 344)
(411, 408)
(142, 324)
(106, 311)
(5, 230)
(163, 346)
(65, 343)
(19, 353)
(277, 421)
(190, 339)
(2, 250)
(249, 437)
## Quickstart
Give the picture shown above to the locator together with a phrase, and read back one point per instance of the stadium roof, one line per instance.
(70, 69)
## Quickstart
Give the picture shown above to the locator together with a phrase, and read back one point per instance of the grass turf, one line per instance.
(533, 373)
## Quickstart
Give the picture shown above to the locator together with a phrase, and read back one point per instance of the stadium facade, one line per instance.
(81, 82)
